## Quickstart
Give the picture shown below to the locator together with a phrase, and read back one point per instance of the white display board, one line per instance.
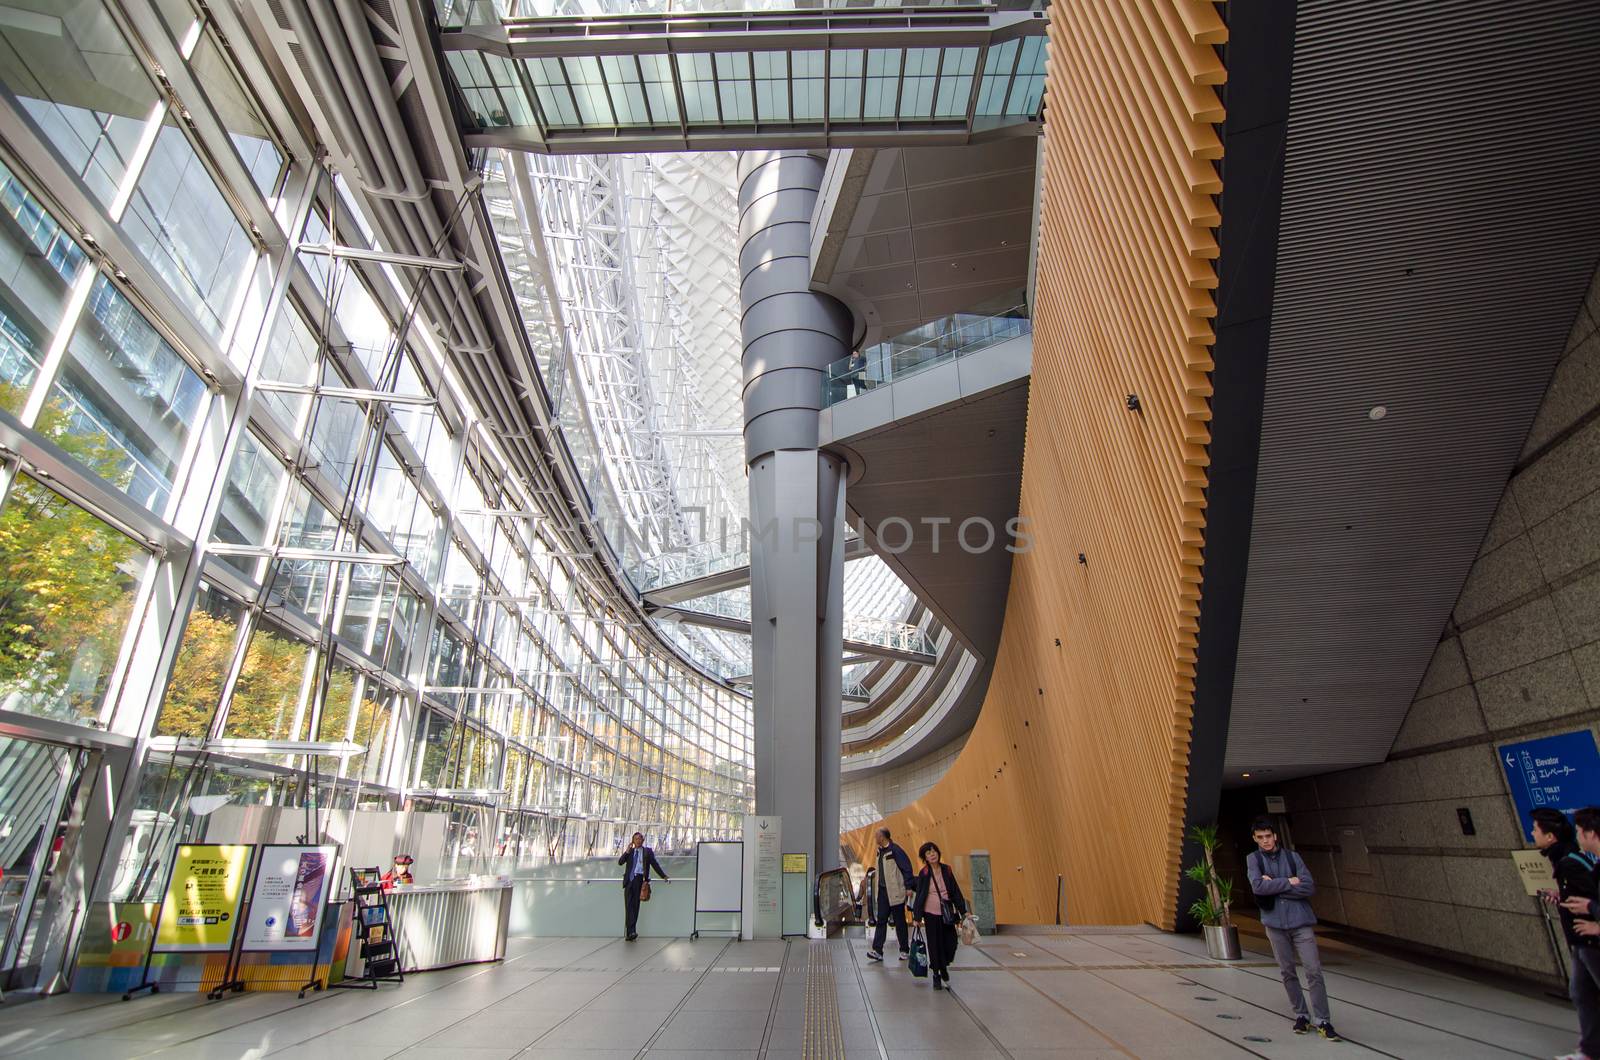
(291, 890)
(719, 877)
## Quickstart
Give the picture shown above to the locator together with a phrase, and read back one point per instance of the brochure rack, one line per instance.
(374, 930)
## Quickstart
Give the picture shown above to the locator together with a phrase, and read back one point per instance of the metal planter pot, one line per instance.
(1222, 943)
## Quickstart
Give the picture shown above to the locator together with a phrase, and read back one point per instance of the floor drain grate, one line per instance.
(1257, 1038)
(1204, 997)
(1227, 1016)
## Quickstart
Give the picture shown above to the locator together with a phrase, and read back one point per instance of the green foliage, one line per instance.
(1213, 908)
(67, 584)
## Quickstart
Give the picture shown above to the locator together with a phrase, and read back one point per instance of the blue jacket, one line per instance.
(1291, 906)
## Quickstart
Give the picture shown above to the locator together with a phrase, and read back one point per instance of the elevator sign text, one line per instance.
(1561, 772)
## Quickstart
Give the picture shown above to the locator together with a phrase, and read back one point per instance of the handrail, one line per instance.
(839, 881)
(907, 354)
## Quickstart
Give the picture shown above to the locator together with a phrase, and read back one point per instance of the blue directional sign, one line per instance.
(1562, 772)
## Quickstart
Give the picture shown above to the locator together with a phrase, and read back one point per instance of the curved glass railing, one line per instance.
(700, 560)
(882, 632)
(938, 342)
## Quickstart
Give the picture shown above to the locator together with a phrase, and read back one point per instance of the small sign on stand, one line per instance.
(1533, 868)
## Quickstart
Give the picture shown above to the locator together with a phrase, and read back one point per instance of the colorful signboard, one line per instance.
(291, 889)
(201, 908)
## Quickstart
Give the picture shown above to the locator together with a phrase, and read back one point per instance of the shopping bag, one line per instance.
(968, 930)
(918, 961)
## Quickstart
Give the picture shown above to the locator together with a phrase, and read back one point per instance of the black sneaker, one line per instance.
(874, 955)
(1302, 1025)
(937, 985)
(1327, 1031)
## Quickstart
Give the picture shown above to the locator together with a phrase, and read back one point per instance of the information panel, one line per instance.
(291, 890)
(201, 909)
(763, 837)
(1562, 772)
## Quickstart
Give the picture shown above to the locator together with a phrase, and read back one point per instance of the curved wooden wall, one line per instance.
(1078, 763)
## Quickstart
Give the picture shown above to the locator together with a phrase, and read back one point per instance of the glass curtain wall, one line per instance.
(375, 619)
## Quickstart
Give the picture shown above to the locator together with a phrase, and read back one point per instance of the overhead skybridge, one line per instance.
(745, 80)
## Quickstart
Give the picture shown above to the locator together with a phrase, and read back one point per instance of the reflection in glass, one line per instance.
(186, 231)
(334, 724)
(38, 264)
(434, 733)
(306, 524)
(266, 703)
(373, 719)
(76, 77)
(290, 357)
(202, 665)
(67, 585)
(240, 115)
(247, 500)
(124, 402)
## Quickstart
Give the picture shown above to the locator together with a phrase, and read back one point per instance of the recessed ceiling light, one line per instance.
(1378, 412)
(1244, 774)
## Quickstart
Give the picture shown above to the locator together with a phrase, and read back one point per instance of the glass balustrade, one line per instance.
(937, 342)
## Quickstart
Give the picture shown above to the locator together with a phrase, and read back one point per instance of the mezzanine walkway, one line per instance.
(1077, 994)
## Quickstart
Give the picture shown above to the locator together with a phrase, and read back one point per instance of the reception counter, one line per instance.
(451, 922)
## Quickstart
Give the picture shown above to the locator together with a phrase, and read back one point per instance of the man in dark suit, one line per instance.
(636, 862)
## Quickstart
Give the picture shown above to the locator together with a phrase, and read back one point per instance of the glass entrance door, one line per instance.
(35, 780)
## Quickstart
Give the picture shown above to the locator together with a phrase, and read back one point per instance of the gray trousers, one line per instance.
(1584, 989)
(1302, 941)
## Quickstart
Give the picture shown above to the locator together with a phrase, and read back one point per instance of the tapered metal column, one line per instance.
(791, 335)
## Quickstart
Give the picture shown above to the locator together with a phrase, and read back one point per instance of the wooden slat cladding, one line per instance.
(1078, 764)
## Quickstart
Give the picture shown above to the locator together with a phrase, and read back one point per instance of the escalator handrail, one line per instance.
(816, 893)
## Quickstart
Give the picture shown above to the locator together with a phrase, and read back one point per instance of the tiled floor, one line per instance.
(1083, 995)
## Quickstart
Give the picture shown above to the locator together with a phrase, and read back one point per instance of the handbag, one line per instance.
(968, 930)
(918, 961)
(947, 912)
(644, 892)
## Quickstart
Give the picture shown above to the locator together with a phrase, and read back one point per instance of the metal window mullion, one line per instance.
(861, 93)
(938, 82)
(520, 69)
(56, 352)
(979, 67)
(644, 95)
(827, 91)
(134, 166)
(900, 84)
(611, 101)
(1011, 76)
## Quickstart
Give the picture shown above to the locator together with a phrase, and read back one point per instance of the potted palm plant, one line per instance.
(1211, 909)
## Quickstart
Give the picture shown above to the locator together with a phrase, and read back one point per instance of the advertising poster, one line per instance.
(201, 909)
(291, 890)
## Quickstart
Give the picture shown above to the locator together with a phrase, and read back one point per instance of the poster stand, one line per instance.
(374, 929)
(712, 870)
(314, 983)
(230, 972)
(145, 982)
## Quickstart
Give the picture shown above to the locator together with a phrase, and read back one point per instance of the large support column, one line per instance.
(790, 337)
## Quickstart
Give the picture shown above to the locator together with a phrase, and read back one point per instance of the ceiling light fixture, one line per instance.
(1378, 412)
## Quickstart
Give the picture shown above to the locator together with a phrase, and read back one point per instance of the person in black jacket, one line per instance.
(939, 904)
(637, 861)
(1574, 870)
